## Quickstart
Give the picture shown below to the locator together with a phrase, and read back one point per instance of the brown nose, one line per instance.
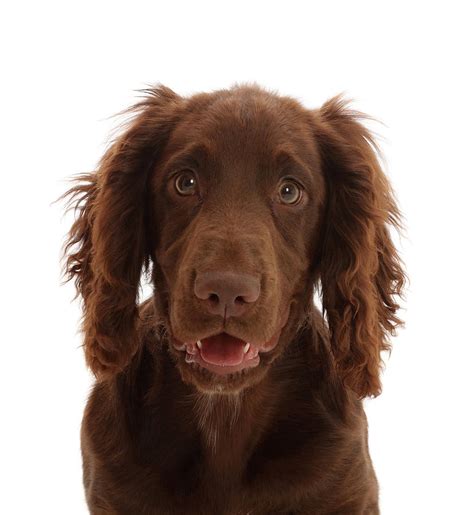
(227, 294)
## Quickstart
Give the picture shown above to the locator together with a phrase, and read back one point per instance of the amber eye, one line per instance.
(186, 183)
(289, 192)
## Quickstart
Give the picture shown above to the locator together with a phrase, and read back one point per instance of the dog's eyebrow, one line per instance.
(286, 162)
(190, 156)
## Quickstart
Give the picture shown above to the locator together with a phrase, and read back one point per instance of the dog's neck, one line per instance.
(230, 425)
(227, 424)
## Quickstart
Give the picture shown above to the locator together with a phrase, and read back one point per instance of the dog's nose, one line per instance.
(227, 294)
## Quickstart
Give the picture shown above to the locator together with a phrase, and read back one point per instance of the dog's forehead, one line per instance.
(245, 124)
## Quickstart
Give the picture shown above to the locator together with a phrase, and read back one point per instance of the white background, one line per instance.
(67, 67)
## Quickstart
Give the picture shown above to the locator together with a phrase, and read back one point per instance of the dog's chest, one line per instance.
(236, 472)
(219, 479)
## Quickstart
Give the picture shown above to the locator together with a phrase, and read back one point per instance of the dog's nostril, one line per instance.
(214, 298)
(239, 300)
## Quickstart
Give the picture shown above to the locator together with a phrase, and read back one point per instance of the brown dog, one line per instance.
(227, 393)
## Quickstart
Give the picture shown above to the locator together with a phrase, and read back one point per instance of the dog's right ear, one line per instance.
(106, 247)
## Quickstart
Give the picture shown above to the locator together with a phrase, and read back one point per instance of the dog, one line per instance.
(228, 392)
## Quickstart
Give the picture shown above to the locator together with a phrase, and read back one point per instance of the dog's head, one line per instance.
(241, 202)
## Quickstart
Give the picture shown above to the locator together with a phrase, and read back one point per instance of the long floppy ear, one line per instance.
(106, 249)
(360, 271)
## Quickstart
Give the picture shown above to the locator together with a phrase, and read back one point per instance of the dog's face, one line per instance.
(243, 202)
(236, 199)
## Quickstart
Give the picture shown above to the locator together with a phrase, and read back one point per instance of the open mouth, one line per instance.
(223, 353)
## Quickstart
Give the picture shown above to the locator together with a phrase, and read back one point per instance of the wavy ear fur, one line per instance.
(360, 271)
(106, 249)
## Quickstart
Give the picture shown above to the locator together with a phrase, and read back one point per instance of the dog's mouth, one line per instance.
(224, 353)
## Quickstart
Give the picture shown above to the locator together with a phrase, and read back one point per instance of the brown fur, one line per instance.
(161, 436)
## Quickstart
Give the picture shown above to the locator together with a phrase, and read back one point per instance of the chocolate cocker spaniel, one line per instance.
(228, 392)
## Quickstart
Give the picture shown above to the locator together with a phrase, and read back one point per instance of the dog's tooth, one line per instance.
(246, 348)
(191, 348)
(199, 344)
(188, 358)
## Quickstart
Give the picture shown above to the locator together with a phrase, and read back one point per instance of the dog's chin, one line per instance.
(224, 363)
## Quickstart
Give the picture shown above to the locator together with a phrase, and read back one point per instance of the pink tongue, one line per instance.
(222, 349)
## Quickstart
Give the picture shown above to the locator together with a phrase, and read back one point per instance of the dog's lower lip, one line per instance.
(222, 369)
(250, 359)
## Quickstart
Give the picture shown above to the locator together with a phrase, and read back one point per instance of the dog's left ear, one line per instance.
(358, 266)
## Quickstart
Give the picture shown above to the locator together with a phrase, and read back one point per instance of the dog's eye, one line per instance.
(289, 192)
(186, 183)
